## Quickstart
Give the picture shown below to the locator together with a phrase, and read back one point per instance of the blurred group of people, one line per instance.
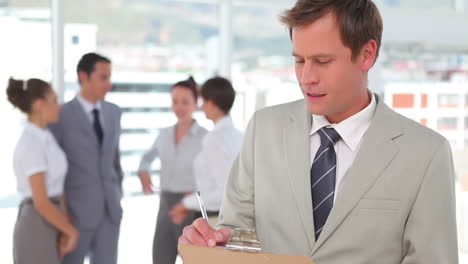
(191, 159)
(68, 170)
(324, 177)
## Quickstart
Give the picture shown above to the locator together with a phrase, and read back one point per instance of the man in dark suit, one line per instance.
(88, 132)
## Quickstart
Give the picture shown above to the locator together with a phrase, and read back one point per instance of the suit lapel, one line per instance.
(296, 140)
(377, 150)
(82, 118)
(107, 122)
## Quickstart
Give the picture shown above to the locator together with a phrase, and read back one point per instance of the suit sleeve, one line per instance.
(238, 207)
(431, 233)
(117, 165)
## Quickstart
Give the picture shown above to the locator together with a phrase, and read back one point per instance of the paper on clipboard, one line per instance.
(204, 255)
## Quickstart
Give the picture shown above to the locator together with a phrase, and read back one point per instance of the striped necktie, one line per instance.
(323, 176)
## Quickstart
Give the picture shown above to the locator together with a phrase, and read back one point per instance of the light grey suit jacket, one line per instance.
(93, 183)
(396, 205)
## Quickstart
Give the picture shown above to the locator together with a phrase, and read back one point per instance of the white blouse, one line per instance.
(37, 151)
(212, 165)
(176, 173)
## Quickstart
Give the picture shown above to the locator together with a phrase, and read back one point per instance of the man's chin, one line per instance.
(313, 109)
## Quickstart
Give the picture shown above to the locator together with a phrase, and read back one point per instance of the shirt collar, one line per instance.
(352, 129)
(194, 129)
(87, 105)
(226, 121)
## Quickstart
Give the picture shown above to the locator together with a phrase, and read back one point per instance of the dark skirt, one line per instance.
(167, 233)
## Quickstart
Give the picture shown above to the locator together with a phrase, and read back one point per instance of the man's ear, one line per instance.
(82, 76)
(368, 55)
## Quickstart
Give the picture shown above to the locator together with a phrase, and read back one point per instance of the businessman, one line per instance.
(339, 176)
(88, 132)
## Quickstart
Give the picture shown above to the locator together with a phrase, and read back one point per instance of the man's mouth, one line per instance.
(315, 94)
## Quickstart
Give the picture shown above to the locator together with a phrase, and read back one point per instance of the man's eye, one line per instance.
(323, 61)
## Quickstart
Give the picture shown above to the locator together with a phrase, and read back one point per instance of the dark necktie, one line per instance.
(97, 126)
(323, 175)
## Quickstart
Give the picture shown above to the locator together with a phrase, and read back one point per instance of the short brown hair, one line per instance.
(88, 62)
(359, 20)
(220, 91)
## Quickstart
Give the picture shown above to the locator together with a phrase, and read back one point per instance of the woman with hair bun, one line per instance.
(43, 233)
(176, 147)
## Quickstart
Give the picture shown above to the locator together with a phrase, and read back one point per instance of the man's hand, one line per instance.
(146, 183)
(200, 233)
(178, 213)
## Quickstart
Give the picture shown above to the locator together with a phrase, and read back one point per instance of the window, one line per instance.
(430, 4)
(152, 45)
(448, 100)
(168, 46)
(262, 60)
(26, 51)
(424, 100)
(447, 123)
(403, 101)
(75, 40)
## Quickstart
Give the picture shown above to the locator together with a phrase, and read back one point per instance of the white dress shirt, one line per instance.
(88, 108)
(212, 165)
(37, 151)
(176, 159)
(351, 131)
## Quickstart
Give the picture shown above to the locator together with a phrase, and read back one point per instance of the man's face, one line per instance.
(332, 83)
(98, 83)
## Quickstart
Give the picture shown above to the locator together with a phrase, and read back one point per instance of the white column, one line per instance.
(57, 24)
(225, 38)
(459, 6)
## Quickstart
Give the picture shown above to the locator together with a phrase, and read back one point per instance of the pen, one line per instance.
(202, 206)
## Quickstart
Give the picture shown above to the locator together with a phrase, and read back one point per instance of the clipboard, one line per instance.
(205, 255)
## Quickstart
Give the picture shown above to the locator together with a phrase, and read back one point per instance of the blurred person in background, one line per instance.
(89, 131)
(219, 149)
(176, 146)
(43, 233)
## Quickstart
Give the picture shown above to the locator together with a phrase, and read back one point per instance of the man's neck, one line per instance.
(88, 98)
(360, 105)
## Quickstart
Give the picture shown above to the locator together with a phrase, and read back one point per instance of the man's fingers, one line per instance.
(206, 231)
(222, 235)
(183, 240)
(192, 237)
